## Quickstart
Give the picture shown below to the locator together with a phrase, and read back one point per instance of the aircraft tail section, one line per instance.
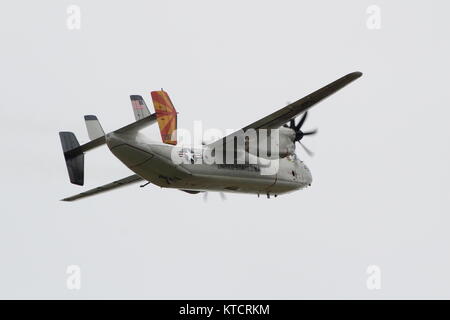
(166, 116)
(139, 107)
(74, 152)
(74, 163)
(93, 127)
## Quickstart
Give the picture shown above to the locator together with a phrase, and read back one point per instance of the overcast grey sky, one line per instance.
(380, 193)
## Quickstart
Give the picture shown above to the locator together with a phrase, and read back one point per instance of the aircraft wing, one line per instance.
(107, 187)
(282, 116)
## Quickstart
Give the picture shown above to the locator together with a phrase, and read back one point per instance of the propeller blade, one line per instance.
(309, 152)
(292, 124)
(205, 196)
(307, 133)
(302, 121)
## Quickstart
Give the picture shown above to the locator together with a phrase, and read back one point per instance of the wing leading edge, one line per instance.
(282, 116)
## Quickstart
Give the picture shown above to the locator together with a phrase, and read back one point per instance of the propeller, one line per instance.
(308, 151)
(299, 134)
(222, 196)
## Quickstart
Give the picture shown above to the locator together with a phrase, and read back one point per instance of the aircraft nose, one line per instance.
(307, 177)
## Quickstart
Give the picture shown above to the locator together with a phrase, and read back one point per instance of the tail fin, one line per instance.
(139, 107)
(166, 116)
(75, 164)
(93, 127)
(74, 152)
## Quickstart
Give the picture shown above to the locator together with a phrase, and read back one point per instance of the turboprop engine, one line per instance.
(279, 143)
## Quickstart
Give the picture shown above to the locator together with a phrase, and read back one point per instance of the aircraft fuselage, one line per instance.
(152, 161)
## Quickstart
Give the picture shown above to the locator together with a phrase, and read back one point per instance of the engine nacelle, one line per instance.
(270, 146)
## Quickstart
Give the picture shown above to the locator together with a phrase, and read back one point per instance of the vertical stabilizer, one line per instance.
(93, 127)
(74, 163)
(139, 107)
(166, 116)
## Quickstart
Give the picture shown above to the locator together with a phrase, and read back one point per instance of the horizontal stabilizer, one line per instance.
(74, 152)
(137, 125)
(93, 127)
(107, 187)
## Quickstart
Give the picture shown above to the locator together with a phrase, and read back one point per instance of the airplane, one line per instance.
(164, 164)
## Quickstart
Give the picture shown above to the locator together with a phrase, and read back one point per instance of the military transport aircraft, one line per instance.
(169, 166)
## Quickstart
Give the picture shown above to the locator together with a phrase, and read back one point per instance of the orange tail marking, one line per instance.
(166, 115)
